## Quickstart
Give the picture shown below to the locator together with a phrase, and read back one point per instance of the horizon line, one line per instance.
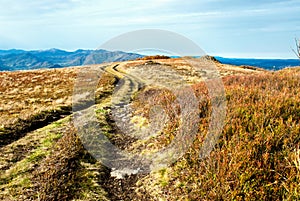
(213, 54)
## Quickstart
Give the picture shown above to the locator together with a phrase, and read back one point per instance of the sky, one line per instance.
(231, 28)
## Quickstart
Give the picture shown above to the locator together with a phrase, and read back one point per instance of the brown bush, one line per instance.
(154, 57)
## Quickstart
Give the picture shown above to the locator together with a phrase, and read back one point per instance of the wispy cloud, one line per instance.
(79, 23)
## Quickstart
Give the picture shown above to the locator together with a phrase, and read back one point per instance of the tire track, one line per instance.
(121, 184)
(18, 141)
(125, 90)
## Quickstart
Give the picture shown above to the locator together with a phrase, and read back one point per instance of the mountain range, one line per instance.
(15, 59)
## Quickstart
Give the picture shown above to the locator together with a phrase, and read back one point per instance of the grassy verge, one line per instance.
(16, 182)
(42, 158)
(257, 157)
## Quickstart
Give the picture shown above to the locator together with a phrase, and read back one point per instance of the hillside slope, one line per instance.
(42, 156)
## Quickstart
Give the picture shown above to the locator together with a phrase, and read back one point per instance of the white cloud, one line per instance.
(81, 23)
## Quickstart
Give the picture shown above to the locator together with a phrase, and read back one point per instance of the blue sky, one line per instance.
(231, 28)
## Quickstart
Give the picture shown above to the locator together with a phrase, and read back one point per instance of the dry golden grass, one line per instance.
(256, 158)
(33, 165)
(25, 93)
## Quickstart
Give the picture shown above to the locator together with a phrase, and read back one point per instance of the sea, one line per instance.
(268, 64)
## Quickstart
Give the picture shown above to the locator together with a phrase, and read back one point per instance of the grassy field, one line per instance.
(258, 153)
(257, 156)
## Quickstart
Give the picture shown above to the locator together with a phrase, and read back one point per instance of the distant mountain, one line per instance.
(13, 59)
(12, 51)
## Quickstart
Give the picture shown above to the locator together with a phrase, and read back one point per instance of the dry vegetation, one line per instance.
(41, 157)
(26, 93)
(154, 57)
(257, 156)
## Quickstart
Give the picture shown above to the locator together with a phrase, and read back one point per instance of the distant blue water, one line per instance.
(268, 64)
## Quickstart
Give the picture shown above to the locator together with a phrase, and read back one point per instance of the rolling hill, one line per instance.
(44, 155)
